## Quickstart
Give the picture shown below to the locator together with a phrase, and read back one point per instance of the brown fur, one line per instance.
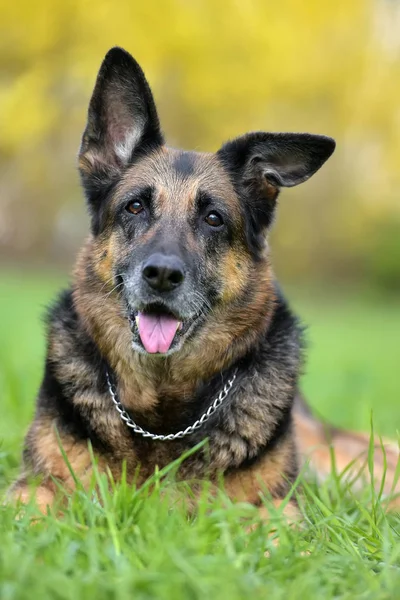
(249, 484)
(241, 323)
(316, 441)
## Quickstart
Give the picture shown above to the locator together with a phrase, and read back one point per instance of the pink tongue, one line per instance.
(157, 332)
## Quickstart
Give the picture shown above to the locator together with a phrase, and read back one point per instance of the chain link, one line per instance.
(171, 436)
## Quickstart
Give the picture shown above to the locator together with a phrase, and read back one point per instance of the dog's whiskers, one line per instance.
(111, 280)
(107, 282)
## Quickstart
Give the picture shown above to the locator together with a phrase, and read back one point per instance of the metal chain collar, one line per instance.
(171, 436)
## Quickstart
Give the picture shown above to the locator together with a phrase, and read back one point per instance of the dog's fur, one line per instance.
(147, 200)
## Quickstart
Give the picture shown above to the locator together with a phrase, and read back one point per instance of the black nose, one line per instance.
(163, 273)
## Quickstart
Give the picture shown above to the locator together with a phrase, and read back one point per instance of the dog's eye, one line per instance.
(213, 219)
(135, 207)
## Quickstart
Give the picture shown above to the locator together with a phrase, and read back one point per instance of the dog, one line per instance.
(175, 329)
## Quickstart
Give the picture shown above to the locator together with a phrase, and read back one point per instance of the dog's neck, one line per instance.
(146, 381)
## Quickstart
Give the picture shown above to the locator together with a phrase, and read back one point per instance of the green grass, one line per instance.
(139, 543)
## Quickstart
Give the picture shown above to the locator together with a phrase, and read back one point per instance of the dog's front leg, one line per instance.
(51, 456)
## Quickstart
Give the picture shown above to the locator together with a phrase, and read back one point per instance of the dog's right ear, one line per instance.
(122, 124)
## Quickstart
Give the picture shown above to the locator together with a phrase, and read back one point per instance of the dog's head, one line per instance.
(179, 235)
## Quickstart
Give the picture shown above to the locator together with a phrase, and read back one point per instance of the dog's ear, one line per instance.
(122, 122)
(261, 163)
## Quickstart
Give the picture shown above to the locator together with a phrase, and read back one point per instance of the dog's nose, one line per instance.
(163, 273)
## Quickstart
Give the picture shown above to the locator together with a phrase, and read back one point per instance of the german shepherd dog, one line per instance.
(174, 329)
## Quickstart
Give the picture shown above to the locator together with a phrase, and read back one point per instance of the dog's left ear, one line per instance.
(122, 124)
(261, 163)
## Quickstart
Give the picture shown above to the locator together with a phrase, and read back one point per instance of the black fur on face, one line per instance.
(183, 232)
(164, 217)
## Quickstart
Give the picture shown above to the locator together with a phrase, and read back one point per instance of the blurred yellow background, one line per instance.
(218, 69)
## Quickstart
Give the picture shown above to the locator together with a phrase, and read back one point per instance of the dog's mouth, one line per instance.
(158, 329)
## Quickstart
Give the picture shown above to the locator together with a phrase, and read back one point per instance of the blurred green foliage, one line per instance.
(218, 68)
